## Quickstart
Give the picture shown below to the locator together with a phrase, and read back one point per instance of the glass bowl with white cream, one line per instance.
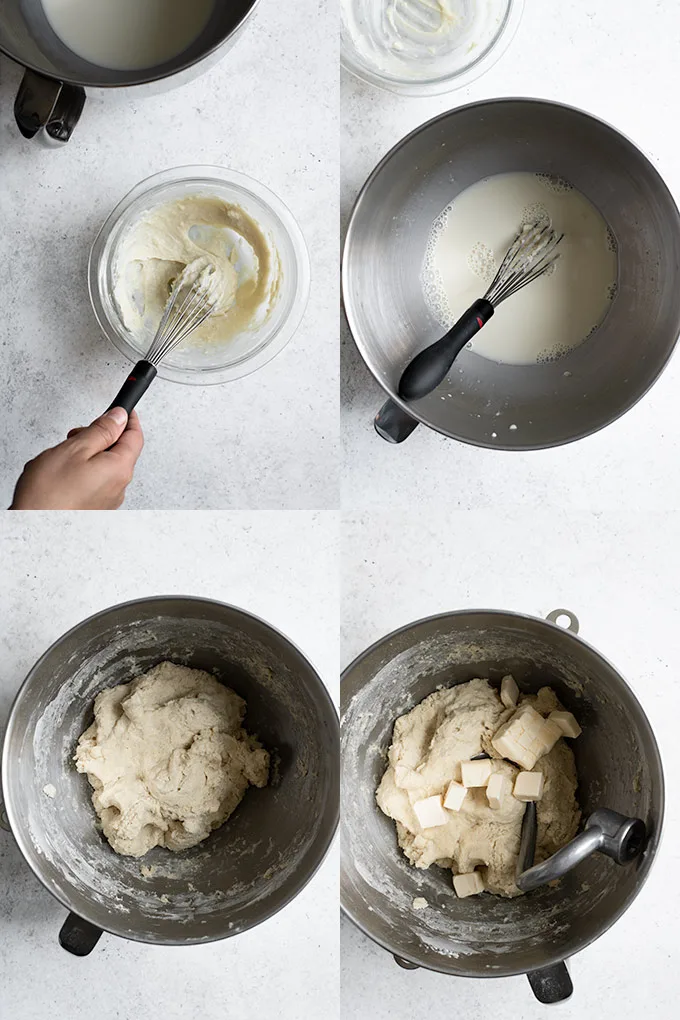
(425, 47)
(190, 212)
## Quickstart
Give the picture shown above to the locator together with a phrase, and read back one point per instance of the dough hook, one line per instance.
(607, 832)
(619, 837)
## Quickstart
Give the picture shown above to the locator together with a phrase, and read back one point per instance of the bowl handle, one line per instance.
(551, 984)
(45, 103)
(78, 936)
(557, 615)
(393, 424)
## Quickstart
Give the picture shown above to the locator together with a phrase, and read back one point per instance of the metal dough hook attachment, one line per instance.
(607, 832)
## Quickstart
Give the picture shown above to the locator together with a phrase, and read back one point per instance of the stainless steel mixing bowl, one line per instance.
(52, 92)
(618, 765)
(547, 404)
(247, 869)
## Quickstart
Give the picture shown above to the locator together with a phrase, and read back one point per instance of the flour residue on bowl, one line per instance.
(378, 883)
(420, 40)
(553, 314)
(374, 868)
(76, 859)
(154, 251)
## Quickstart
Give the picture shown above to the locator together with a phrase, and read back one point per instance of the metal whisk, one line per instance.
(193, 298)
(529, 256)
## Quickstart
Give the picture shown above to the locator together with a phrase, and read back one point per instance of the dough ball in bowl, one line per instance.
(245, 870)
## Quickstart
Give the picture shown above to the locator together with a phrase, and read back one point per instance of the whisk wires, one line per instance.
(530, 255)
(191, 302)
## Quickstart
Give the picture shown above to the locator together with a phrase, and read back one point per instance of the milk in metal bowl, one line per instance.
(553, 314)
(127, 35)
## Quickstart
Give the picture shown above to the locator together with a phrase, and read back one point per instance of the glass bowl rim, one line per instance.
(444, 82)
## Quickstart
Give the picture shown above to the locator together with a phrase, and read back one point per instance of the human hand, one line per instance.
(82, 473)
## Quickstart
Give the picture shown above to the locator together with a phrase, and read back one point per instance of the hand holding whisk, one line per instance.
(194, 296)
(530, 255)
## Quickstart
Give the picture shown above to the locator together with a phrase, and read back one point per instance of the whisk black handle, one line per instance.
(431, 366)
(135, 386)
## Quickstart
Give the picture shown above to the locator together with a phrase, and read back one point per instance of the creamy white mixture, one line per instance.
(419, 39)
(168, 238)
(550, 316)
(168, 759)
(128, 34)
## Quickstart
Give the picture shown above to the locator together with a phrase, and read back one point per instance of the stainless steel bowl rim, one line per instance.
(9, 809)
(404, 405)
(550, 958)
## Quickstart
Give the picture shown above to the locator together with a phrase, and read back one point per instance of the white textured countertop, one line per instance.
(268, 109)
(620, 575)
(57, 569)
(616, 60)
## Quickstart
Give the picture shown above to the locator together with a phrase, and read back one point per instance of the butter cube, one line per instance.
(498, 789)
(509, 692)
(520, 738)
(476, 773)
(566, 722)
(528, 786)
(549, 734)
(455, 795)
(468, 885)
(430, 812)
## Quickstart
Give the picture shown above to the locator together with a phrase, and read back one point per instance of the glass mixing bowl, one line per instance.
(200, 364)
(401, 45)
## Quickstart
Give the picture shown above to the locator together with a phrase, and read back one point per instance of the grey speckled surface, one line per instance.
(270, 110)
(620, 575)
(594, 56)
(59, 568)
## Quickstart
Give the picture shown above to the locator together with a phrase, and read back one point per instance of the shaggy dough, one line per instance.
(168, 759)
(428, 745)
(170, 237)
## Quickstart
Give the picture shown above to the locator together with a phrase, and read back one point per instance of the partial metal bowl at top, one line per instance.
(193, 363)
(246, 870)
(483, 402)
(52, 93)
